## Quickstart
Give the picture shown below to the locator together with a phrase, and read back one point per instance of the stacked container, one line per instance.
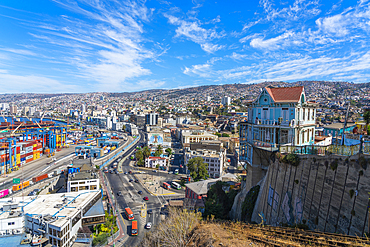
(29, 150)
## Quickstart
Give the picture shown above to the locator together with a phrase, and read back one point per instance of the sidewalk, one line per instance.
(107, 189)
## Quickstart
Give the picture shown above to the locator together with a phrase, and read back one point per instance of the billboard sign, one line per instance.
(155, 139)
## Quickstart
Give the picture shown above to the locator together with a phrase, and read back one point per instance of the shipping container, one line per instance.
(39, 178)
(19, 186)
(4, 193)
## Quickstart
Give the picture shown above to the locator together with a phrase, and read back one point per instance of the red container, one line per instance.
(39, 178)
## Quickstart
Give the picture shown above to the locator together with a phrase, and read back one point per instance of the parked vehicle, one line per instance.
(148, 225)
(146, 198)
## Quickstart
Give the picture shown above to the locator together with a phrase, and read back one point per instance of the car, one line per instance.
(146, 198)
(119, 193)
(36, 190)
(32, 193)
(131, 180)
(126, 173)
(170, 172)
(130, 172)
(148, 225)
(150, 211)
(136, 180)
(116, 172)
(155, 171)
(140, 192)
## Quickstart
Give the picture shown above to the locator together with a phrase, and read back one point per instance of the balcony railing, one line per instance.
(262, 144)
(269, 122)
(285, 123)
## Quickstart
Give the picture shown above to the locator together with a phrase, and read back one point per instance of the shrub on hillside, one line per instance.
(249, 203)
(175, 230)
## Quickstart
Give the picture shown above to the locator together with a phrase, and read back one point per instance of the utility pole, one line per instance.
(345, 123)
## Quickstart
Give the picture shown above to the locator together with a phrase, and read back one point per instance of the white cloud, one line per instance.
(336, 25)
(110, 50)
(194, 32)
(11, 83)
(273, 43)
(19, 51)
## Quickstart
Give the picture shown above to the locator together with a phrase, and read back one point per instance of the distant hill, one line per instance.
(216, 91)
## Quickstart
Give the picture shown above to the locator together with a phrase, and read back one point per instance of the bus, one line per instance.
(134, 228)
(176, 185)
(166, 186)
(129, 214)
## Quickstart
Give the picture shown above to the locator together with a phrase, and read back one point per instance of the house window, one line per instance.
(10, 223)
(304, 114)
(264, 113)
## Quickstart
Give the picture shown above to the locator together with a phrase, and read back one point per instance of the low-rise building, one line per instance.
(198, 190)
(55, 217)
(214, 159)
(190, 136)
(156, 162)
(86, 179)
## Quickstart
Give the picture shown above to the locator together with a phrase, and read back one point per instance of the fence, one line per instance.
(332, 149)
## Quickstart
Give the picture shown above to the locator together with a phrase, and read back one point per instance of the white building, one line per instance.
(118, 126)
(11, 222)
(57, 217)
(226, 100)
(190, 136)
(132, 129)
(82, 181)
(214, 159)
(153, 162)
(151, 119)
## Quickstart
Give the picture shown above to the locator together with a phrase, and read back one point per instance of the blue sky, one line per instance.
(96, 45)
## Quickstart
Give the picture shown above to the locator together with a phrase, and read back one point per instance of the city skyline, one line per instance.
(89, 46)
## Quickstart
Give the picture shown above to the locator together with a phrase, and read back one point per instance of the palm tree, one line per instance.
(146, 152)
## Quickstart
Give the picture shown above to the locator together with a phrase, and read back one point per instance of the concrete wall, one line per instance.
(314, 193)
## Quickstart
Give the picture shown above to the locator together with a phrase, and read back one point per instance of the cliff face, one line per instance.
(328, 194)
(236, 211)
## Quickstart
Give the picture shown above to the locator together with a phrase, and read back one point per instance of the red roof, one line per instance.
(156, 158)
(285, 94)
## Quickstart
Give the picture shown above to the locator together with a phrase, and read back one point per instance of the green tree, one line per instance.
(168, 151)
(218, 134)
(225, 135)
(198, 168)
(367, 118)
(146, 152)
(159, 151)
(140, 158)
(219, 202)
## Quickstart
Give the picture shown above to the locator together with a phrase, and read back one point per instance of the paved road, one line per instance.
(132, 199)
(37, 167)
